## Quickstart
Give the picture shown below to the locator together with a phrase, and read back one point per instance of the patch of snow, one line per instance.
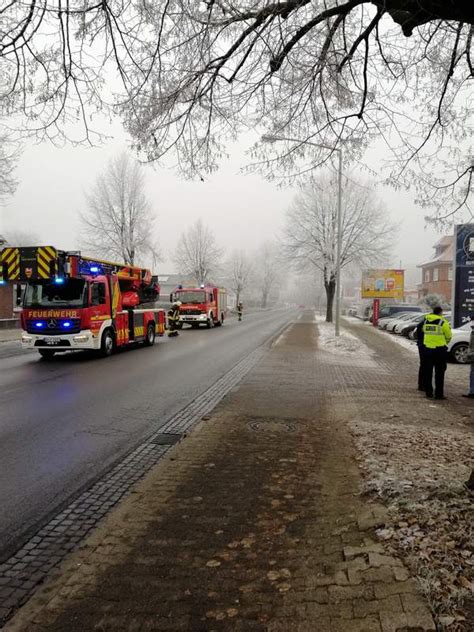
(402, 341)
(345, 343)
(418, 471)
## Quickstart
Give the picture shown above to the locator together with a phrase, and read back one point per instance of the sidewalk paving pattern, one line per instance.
(10, 335)
(253, 523)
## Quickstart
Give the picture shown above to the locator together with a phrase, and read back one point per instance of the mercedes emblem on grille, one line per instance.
(52, 324)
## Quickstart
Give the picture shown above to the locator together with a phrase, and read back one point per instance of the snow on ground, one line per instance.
(416, 463)
(404, 342)
(415, 459)
(345, 343)
(419, 474)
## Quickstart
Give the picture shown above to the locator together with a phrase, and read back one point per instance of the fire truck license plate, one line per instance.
(52, 341)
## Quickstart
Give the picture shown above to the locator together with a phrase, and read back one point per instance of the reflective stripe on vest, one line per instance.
(433, 334)
(433, 330)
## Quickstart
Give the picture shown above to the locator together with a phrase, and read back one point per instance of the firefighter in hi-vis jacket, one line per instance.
(173, 319)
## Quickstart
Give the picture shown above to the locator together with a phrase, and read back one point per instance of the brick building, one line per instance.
(437, 274)
(10, 295)
(6, 301)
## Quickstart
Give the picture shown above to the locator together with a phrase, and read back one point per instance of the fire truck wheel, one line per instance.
(108, 343)
(150, 335)
(210, 321)
(46, 354)
(221, 321)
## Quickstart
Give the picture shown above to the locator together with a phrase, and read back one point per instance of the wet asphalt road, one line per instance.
(64, 423)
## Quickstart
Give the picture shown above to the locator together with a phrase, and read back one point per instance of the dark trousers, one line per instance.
(434, 359)
(421, 370)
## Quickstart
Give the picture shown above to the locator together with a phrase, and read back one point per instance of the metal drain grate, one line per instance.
(167, 438)
(272, 424)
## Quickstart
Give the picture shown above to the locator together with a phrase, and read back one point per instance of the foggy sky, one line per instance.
(242, 210)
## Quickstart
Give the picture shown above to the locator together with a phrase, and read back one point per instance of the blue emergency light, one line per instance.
(39, 324)
(3, 282)
(66, 324)
(94, 269)
(59, 280)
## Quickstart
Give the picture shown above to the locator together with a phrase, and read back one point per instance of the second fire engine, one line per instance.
(204, 305)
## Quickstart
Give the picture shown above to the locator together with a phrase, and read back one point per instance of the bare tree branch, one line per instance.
(9, 155)
(267, 271)
(311, 230)
(194, 74)
(197, 253)
(118, 223)
(240, 271)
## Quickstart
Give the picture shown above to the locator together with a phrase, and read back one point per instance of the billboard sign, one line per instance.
(463, 278)
(383, 283)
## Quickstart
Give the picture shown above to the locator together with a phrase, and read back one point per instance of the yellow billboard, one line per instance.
(384, 283)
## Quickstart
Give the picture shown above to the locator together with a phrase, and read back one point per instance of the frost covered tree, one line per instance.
(268, 271)
(310, 233)
(8, 160)
(19, 237)
(196, 72)
(240, 271)
(197, 253)
(433, 300)
(119, 221)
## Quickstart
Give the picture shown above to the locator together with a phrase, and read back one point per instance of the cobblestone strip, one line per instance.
(206, 402)
(30, 565)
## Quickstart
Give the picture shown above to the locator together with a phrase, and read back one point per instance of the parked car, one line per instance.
(384, 322)
(395, 310)
(411, 321)
(459, 343)
(403, 318)
(406, 329)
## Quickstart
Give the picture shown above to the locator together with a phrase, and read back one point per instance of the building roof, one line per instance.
(175, 279)
(446, 256)
(447, 240)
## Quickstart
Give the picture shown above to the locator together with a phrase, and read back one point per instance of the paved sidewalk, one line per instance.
(253, 523)
(8, 335)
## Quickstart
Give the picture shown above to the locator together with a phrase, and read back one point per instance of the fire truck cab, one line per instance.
(73, 303)
(204, 305)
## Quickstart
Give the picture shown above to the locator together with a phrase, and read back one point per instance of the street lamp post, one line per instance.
(269, 138)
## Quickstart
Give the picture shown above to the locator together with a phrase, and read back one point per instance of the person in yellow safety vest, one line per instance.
(173, 319)
(436, 336)
(240, 310)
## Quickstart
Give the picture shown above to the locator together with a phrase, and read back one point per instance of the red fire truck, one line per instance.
(71, 302)
(204, 305)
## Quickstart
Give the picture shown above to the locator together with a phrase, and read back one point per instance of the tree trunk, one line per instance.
(330, 287)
